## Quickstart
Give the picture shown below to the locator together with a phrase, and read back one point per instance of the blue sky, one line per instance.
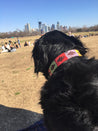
(14, 14)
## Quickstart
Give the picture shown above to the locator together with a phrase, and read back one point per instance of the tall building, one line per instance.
(53, 27)
(65, 28)
(58, 26)
(61, 28)
(43, 28)
(49, 29)
(46, 28)
(40, 25)
(27, 27)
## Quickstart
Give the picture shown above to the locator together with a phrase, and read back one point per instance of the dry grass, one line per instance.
(92, 44)
(86, 33)
(19, 86)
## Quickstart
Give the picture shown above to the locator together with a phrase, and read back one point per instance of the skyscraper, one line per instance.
(58, 25)
(27, 27)
(40, 25)
(43, 28)
(61, 28)
(49, 29)
(53, 27)
(46, 28)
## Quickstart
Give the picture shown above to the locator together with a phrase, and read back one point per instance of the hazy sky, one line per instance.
(14, 14)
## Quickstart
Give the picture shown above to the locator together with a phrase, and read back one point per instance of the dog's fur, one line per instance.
(69, 98)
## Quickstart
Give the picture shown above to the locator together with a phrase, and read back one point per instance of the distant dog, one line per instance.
(69, 98)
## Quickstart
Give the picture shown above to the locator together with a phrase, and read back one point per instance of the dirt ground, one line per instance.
(20, 87)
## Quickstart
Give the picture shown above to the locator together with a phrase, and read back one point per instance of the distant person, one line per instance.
(29, 43)
(3, 49)
(19, 43)
(26, 44)
(10, 42)
(70, 34)
(11, 45)
(16, 45)
(7, 47)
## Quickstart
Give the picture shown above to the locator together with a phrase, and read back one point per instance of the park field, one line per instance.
(19, 85)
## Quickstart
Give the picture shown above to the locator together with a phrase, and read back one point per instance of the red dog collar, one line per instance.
(61, 59)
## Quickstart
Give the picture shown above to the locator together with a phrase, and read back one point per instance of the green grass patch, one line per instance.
(2, 81)
(28, 68)
(17, 93)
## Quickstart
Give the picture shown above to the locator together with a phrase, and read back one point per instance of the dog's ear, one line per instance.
(40, 57)
(79, 45)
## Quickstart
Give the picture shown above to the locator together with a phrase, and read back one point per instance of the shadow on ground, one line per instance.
(13, 119)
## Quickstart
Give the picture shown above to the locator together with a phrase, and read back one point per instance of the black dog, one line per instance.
(69, 98)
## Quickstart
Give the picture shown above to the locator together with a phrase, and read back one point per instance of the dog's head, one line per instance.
(49, 46)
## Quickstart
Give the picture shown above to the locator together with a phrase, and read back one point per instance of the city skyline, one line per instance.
(15, 14)
(44, 28)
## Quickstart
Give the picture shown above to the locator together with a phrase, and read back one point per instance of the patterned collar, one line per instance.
(62, 58)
